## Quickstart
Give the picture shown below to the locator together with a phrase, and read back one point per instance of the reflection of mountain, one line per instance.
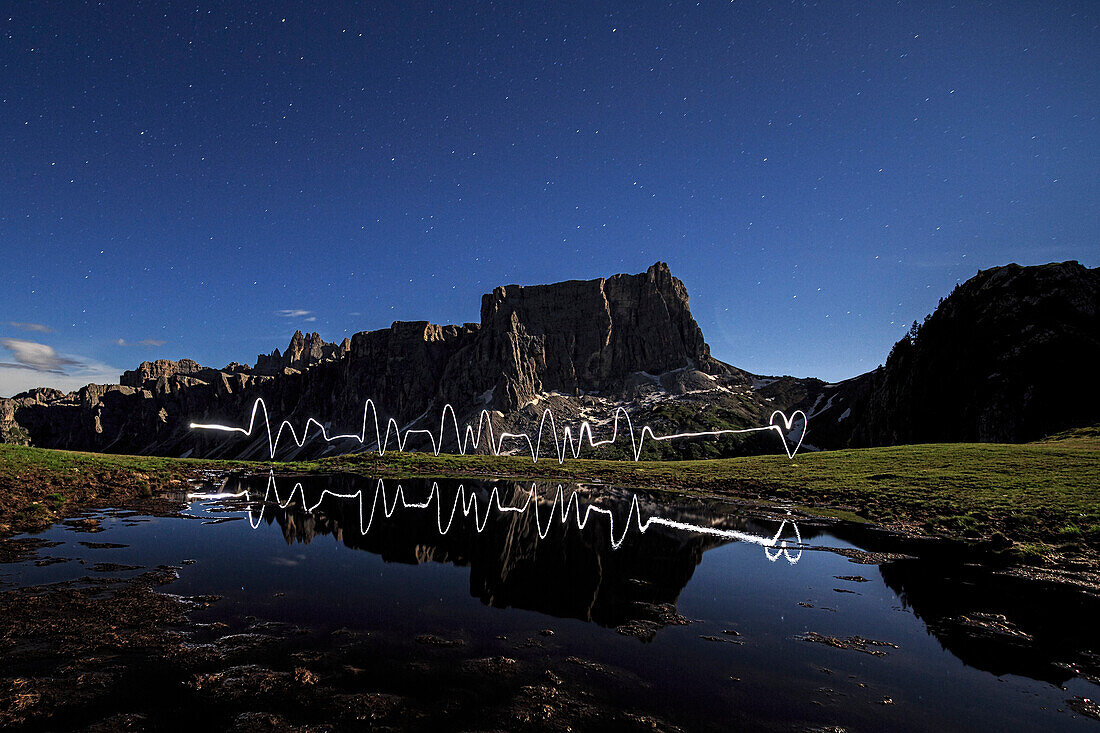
(993, 621)
(999, 623)
(569, 573)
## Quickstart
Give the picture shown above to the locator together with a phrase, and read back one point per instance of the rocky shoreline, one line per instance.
(100, 654)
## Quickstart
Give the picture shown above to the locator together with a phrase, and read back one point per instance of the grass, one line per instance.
(1044, 494)
(38, 486)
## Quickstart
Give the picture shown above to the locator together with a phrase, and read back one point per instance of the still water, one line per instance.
(706, 613)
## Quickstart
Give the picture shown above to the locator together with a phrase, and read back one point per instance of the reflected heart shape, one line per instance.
(779, 546)
(783, 427)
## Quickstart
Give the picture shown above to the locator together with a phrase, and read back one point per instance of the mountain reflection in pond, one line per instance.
(718, 616)
(624, 560)
(558, 551)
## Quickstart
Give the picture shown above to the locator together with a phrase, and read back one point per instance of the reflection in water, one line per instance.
(467, 499)
(623, 560)
(612, 559)
(435, 559)
(1000, 623)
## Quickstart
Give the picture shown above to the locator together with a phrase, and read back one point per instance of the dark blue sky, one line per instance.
(198, 180)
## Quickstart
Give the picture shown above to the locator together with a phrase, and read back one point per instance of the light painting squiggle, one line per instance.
(466, 501)
(471, 439)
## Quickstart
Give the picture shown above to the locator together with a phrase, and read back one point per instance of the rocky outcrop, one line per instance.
(587, 336)
(41, 395)
(149, 372)
(303, 352)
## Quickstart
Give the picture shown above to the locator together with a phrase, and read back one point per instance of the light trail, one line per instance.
(471, 439)
(466, 501)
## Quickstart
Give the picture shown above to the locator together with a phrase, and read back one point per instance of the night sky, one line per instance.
(201, 179)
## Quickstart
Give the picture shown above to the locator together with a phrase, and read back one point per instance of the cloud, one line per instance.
(30, 327)
(35, 357)
(38, 365)
(292, 313)
(312, 318)
(14, 381)
(143, 342)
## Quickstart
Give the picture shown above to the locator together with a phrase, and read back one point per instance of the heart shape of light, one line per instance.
(783, 427)
(779, 546)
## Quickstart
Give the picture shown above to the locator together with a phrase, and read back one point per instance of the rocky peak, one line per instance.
(41, 395)
(235, 368)
(590, 335)
(303, 351)
(148, 372)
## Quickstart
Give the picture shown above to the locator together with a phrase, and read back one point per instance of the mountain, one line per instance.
(1008, 355)
(582, 348)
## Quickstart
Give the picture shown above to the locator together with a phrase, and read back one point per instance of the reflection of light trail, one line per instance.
(467, 501)
(470, 439)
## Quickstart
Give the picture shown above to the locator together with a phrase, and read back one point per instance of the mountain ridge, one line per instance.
(586, 348)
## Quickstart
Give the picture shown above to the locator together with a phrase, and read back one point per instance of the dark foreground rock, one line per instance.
(100, 654)
(853, 643)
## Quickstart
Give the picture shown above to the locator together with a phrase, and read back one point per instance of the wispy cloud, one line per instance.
(38, 327)
(294, 313)
(32, 364)
(143, 342)
(35, 356)
(14, 381)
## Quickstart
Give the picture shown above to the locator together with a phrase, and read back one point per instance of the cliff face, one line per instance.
(586, 336)
(590, 336)
(574, 337)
